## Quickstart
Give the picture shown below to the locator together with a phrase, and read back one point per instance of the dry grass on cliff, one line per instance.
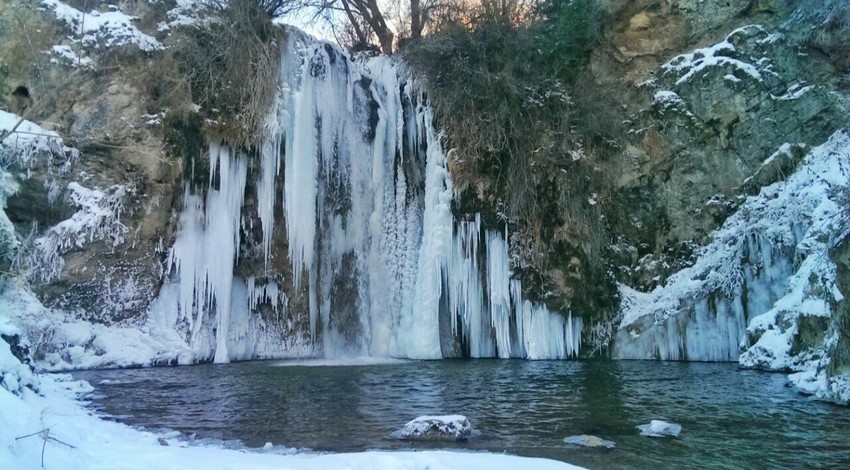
(231, 65)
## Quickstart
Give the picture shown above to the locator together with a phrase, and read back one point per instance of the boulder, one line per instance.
(437, 428)
(586, 440)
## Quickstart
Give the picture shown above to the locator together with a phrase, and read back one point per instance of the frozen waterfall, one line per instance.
(354, 171)
(766, 272)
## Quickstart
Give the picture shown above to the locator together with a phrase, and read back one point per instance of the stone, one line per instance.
(585, 440)
(437, 428)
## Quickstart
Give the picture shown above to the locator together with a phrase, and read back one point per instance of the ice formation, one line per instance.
(366, 200)
(98, 217)
(658, 428)
(767, 268)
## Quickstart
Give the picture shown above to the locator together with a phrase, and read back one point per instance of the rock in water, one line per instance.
(585, 440)
(658, 428)
(437, 428)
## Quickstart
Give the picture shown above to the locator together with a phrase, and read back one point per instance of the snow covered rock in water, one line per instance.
(658, 428)
(586, 440)
(437, 428)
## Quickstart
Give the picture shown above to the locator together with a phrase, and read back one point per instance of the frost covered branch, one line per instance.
(98, 218)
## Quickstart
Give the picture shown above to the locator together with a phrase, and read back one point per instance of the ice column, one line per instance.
(207, 247)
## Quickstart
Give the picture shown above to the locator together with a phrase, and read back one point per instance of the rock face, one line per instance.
(702, 122)
(716, 131)
(437, 428)
(111, 275)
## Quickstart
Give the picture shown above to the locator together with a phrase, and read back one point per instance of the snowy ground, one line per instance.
(75, 439)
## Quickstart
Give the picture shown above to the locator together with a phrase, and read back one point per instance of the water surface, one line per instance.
(731, 418)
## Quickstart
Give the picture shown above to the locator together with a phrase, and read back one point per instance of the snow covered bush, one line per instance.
(15, 373)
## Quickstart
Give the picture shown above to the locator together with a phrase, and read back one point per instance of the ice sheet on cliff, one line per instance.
(767, 268)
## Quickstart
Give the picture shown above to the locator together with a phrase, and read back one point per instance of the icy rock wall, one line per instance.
(366, 201)
(709, 322)
(766, 273)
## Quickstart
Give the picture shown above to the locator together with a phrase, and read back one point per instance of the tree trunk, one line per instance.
(415, 19)
(368, 9)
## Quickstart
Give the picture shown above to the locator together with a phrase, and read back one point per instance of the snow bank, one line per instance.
(814, 381)
(66, 343)
(72, 438)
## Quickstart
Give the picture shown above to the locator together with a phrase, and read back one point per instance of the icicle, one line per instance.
(301, 169)
(207, 249)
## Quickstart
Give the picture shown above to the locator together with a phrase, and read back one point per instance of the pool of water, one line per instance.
(731, 418)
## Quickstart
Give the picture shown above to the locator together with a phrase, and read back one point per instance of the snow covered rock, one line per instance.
(585, 440)
(437, 428)
(658, 428)
(102, 29)
(14, 375)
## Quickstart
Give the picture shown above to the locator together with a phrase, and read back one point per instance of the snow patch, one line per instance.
(102, 29)
(723, 54)
(67, 56)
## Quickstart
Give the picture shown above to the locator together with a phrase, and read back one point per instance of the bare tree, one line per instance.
(364, 16)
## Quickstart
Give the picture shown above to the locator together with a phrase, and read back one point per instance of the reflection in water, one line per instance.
(731, 418)
(601, 389)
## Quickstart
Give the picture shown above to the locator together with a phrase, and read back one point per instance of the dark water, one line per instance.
(731, 418)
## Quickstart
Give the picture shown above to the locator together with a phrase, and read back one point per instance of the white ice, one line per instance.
(658, 428)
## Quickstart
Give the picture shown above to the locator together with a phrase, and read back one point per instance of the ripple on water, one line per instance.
(731, 418)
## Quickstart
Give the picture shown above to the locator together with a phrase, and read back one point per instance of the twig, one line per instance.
(82, 34)
(45, 436)
(33, 133)
(5, 134)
